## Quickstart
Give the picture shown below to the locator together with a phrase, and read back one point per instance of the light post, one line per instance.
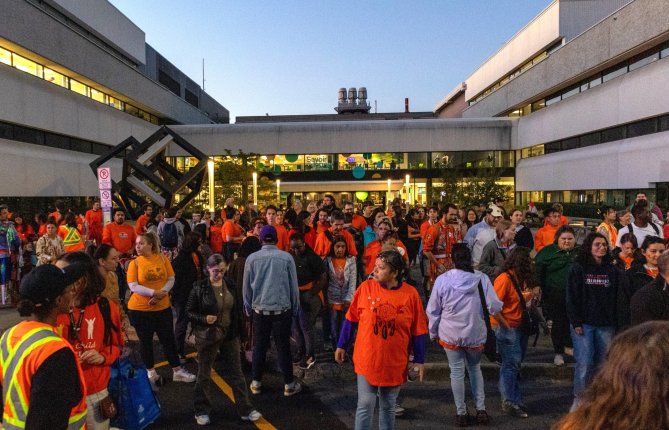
(255, 188)
(210, 168)
(278, 191)
(388, 193)
(408, 185)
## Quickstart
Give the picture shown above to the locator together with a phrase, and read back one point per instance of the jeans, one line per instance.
(303, 324)
(367, 395)
(279, 327)
(232, 373)
(180, 325)
(160, 322)
(336, 323)
(458, 359)
(94, 419)
(511, 345)
(589, 353)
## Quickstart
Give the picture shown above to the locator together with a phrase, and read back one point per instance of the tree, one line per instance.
(467, 191)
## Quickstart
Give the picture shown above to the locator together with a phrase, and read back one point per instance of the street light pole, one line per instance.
(210, 168)
(255, 188)
(278, 191)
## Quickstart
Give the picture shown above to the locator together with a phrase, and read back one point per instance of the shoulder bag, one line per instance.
(490, 349)
(529, 325)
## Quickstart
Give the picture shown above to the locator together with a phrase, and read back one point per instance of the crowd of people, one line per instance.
(383, 281)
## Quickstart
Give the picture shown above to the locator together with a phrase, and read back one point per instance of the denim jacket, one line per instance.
(270, 281)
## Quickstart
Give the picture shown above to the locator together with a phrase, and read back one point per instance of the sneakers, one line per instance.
(256, 387)
(291, 389)
(399, 410)
(558, 360)
(253, 416)
(307, 364)
(154, 378)
(202, 420)
(461, 420)
(183, 375)
(513, 410)
(482, 417)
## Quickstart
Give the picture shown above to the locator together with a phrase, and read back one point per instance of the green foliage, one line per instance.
(472, 190)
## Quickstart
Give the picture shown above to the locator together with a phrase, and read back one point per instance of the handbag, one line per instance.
(490, 349)
(107, 408)
(205, 336)
(131, 391)
(529, 325)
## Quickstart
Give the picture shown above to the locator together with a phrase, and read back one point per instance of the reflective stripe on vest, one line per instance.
(12, 359)
(72, 237)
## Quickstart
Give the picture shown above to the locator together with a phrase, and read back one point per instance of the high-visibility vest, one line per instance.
(23, 349)
(72, 241)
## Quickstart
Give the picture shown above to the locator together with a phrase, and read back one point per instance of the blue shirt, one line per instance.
(270, 281)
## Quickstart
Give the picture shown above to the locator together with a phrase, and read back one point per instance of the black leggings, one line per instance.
(160, 322)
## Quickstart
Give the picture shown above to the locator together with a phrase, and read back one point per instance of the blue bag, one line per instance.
(131, 391)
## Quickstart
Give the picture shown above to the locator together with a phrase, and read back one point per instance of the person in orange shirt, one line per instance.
(119, 234)
(516, 289)
(72, 234)
(142, 220)
(216, 236)
(321, 222)
(282, 234)
(391, 320)
(563, 219)
(324, 240)
(606, 228)
(231, 234)
(357, 222)
(384, 238)
(546, 234)
(303, 226)
(439, 240)
(58, 213)
(93, 222)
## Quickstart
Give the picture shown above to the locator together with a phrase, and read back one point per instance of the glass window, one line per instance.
(613, 134)
(55, 77)
(532, 151)
(595, 81)
(590, 139)
(131, 109)
(29, 135)
(664, 123)
(614, 72)
(552, 147)
(641, 128)
(318, 162)
(145, 115)
(664, 53)
(571, 92)
(538, 105)
(154, 120)
(115, 103)
(57, 141)
(290, 162)
(553, 99)
(98, 96)
(635, 63)
(571, 143)
(5, 56)
(78, 87)
(80, 145)
(27, 65)
(417, 160)
(6, 130)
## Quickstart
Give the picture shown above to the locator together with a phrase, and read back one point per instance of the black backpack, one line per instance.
(169, 237)
(652, 224)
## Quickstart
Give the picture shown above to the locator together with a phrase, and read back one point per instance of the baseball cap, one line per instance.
(44, 283)
(494, 210)
(268, 234)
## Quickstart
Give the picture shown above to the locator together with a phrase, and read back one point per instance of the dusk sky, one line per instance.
(291, 57)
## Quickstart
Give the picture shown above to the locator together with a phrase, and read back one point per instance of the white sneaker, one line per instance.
(183, 375)
(399, 410)
(558, 360)
(256, 387)
(153, 375)
(253, 416)
(292, 389)
(202, 420)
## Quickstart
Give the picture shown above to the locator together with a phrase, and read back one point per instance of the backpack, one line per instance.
(169, 236)
(652, 224)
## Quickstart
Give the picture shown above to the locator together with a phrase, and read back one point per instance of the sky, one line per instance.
(291, 57)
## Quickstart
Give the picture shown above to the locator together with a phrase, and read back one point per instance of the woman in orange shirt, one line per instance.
(384, 239)
(516, 279)
(215, 236)
(232, 234)
(627, 252)
(390, 319)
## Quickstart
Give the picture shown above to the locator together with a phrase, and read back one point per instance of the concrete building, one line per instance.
(77, 77)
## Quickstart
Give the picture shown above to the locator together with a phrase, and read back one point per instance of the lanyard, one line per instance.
(75, 328)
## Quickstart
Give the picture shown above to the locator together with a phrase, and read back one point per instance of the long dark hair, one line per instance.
(584, 255)
(95, 283)
(335, 240)
(462, 257)
(299, 225)
(518, 265)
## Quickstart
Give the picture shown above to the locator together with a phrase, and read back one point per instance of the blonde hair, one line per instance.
(152, 239)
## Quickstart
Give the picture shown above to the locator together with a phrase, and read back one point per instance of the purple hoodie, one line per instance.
(454, 311)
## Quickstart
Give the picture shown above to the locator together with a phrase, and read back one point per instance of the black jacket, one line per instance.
(524, 238)
(637, 278)
(592, 294)
(202, 302)
(650, 303)
(185, 275)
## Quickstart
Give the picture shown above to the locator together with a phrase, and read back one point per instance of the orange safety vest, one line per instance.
(72, 240)
(23, 349)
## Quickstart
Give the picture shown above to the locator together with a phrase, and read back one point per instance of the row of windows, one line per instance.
(515, 73)
(638, 61)
(19, 62)
(627, 131)
(54, 140)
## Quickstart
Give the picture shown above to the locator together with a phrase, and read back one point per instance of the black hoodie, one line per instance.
(637, 278)
(592, 294)
(650, 303)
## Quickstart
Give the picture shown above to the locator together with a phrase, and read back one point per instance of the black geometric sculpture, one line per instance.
(146, 175)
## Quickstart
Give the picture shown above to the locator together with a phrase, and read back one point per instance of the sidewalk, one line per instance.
(8, 318)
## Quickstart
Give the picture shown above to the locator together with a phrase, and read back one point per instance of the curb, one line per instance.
(441, 371)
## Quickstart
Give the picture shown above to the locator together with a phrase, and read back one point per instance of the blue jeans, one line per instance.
(336, 323)
(367, 395)
(589, 353)
(303, 324)
(511, 346)
(458, 359)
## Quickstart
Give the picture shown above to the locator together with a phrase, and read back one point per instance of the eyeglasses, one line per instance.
(216, 271)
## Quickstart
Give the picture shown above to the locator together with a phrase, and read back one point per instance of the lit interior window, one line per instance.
(98, 96)
(55, 77)
(5, 56)
(78, 87)
(115, 103)
(27, 66)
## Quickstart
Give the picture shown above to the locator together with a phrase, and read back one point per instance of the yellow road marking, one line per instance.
(262, 423)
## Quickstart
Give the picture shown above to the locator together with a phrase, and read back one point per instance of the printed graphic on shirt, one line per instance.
(91, 325)
(155, 274)
(598, 280)
(385, 318)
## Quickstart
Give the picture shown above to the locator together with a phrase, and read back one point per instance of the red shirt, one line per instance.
(232, 229)
(309, 237)
(388, 320)
(282, 236)
(140, 224)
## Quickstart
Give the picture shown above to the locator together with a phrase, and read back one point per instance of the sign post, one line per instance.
(105, 187)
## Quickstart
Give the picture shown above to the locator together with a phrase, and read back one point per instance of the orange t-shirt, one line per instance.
(424, 227)
(387, 321)
(150, 272)
(282, 235)
(358, 222)
(140, 224)
(120, 236)
(56, 215)
(94, 222)
(323, 244)
(73, 238)
(511, 310)
(309, 237)
(627, 260)
(545, 236)
(373, 249)
(320, 228)
(230, 228)
(216, 238)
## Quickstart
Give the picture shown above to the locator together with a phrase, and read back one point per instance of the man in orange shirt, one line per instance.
(93, 222)
(357, 222)
(58, 214)
(122, 237)
(142, 220)
(324, 239)
(546, 234)
(439, 240)
(282, 234)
